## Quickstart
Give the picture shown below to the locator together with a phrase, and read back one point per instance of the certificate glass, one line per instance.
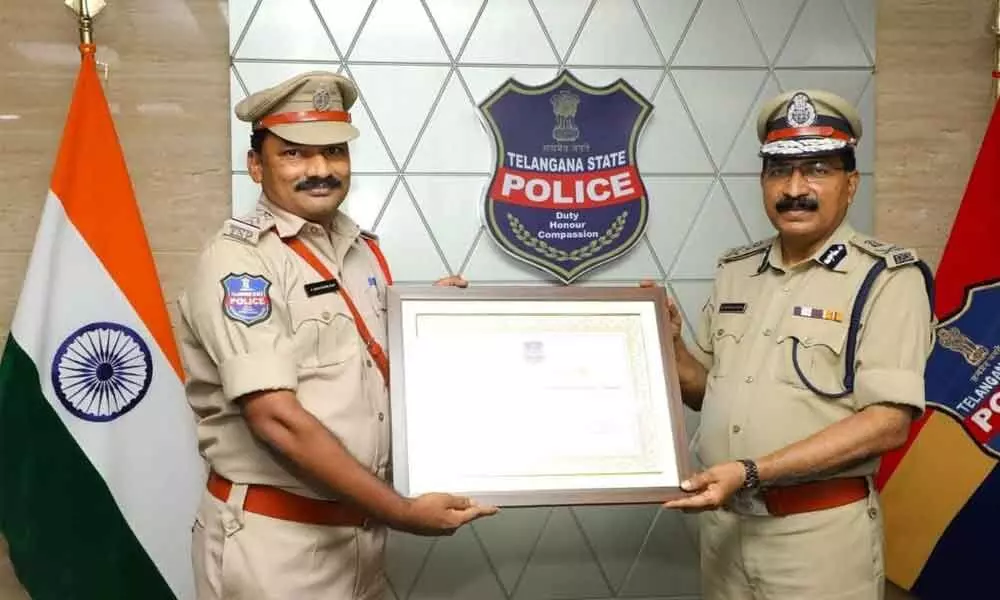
(535, 396)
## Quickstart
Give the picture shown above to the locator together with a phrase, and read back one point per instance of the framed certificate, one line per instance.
(520, 396)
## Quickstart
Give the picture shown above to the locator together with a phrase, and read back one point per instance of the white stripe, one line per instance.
(148, 457)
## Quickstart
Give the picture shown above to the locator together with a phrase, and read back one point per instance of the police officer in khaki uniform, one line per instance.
(808, 366)
(282, 337)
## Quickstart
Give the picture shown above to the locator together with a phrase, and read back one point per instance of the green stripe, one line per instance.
(68, 540)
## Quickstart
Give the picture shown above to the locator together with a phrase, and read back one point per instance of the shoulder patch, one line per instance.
(246, 298)
(894, 256)
(241, 231)
(741, 252)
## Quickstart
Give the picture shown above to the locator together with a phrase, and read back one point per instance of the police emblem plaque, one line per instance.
(566, 195)
(963, 371)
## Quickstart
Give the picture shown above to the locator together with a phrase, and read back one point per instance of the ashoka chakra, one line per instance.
(102, 371)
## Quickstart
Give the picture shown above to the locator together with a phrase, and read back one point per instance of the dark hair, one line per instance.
(257, 139)
(846, 156)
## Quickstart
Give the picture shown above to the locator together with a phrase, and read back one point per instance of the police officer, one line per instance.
(283, 335)
(808, 366)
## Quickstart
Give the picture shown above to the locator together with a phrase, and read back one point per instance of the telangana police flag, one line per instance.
(941, 492)
(99, 472)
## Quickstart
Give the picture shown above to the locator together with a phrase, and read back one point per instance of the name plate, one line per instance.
(519, 396)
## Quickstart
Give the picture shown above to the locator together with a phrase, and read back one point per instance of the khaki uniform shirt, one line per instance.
(284, 339)
(755, 402)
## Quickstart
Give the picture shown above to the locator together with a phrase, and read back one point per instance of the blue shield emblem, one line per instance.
(566, 196)
(246, 298)
(963, 372)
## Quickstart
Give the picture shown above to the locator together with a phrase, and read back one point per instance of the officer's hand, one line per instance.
(453, 281)
(672, 311)
(441, 514)
(710, 489)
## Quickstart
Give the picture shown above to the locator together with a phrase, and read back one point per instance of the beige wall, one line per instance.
(169, 84)
(934, 100)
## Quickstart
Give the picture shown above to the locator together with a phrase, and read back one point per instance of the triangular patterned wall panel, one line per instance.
(423, 159)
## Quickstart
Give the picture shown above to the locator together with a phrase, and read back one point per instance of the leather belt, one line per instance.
(814, 495)
(279, 504)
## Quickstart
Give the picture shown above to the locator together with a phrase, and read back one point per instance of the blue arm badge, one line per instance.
(246, 298)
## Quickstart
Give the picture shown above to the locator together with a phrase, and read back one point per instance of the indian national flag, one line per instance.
(99, 471)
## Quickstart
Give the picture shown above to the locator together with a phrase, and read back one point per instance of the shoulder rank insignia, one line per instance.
(745, 251)
(894, 256)
(241, 231)
(248, 228)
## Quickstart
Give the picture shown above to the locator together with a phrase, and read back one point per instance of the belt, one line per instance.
(277, 503)
(814, 495)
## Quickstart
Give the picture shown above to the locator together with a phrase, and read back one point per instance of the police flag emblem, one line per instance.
(566, 195)
(963, 372)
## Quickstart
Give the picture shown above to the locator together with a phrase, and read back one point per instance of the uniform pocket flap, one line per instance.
(318, 309)
(730, 326)
(815, 332)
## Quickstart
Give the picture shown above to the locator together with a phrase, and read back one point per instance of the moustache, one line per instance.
(788, 203)
(311, 183)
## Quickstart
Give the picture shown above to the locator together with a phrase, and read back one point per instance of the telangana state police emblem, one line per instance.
(566, 195)
(246, 298)
(963, 372)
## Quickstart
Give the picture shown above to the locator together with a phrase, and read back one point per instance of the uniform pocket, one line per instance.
(728, 331)
(324, 330)
(819, 356)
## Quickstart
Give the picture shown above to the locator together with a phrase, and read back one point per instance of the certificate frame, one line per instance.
(649, 481)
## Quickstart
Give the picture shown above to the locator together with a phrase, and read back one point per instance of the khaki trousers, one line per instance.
(834, 554)
(240, 555)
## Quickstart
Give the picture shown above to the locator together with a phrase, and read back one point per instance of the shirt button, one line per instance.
(368, 362)
(872, 513)
(785, 290)
(326, 315)
(767, 332)
(736, 428)
(749, 379)
(720, 332)
(381, 416)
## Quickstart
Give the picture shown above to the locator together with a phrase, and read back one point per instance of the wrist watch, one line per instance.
(752, 477)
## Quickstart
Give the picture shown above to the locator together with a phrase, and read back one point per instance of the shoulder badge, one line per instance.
(249, 228)
(741, 252)
(240, 231)
(246, 298)
(894, 256)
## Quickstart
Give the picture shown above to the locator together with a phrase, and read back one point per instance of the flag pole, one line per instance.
(86, 24)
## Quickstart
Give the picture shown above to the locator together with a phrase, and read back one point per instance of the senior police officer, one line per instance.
(808, 366)
(282, 336)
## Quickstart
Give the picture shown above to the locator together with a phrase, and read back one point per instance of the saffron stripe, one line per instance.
(92, 182)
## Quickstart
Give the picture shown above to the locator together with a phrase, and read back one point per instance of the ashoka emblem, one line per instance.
(102, 371)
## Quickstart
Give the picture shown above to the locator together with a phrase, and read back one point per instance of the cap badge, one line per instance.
(801, 112)
(322, 98)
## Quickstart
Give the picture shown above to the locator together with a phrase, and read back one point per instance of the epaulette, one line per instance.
(741, 252)
(248, 228)
(894, 256)
(368, 235)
